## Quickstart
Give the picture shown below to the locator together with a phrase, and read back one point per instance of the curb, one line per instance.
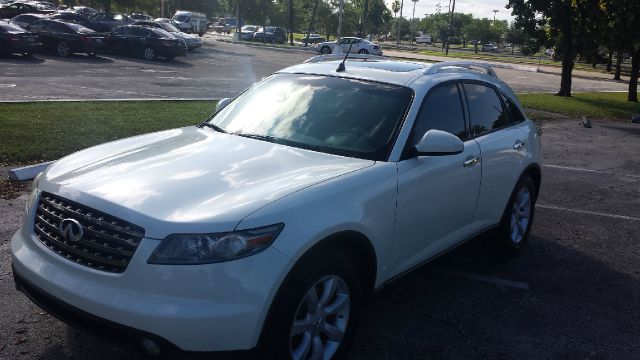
(28, 172)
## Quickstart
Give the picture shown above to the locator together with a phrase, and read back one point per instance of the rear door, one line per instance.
(437, 195)
(501, 144)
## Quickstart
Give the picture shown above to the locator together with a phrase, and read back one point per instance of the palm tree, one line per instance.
(395, 7)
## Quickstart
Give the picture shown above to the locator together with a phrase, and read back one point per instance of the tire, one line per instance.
(293, 303)
(325, 50)
(148, 53)
(513, 231)
(363, 51)
(63, 49)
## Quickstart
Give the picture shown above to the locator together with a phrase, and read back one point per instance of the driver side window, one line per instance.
(441, 110)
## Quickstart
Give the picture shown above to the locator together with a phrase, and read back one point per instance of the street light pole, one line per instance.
(494, 16)
(453, 10)
(413, 19)
(398, 23)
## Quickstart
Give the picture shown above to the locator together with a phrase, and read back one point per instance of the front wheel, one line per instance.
(148, 53)
(325, 50)
(63, 49)
(513, 232)
(316, 312)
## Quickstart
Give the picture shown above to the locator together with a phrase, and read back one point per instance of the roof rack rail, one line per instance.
(340, 56)
(467, 65)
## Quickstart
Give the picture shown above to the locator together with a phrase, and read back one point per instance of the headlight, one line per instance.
(34, 192)
(191, 249)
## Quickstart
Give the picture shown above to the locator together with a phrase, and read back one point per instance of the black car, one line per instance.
(146, 42)
(16, 40)
(270, 34)
(71, 17)
(25, 20)
(18, 8)
(66, 39)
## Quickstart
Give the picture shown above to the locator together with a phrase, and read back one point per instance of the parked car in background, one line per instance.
(68, 38)
(269, 226)
(423, 39)
(25, 20)
(17, 8)
(147, 42)
(191, 22)
(247, 31)
(549, 52)
(270, 34)
(192, 41)
(490, 47)
(71, 17)
(358, 46)
(16, 40)
(312, 39)
(105, 22)
(84, 10)
(140, 17)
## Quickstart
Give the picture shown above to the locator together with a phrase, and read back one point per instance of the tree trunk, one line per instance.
(365, 9)
(567, 51)
(616, 76)
(633, 82)
(291, 22)
(476, 45)
(610, 61)
(313, 19)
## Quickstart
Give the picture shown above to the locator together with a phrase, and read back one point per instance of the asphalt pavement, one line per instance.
(573, 293)
(218, 69)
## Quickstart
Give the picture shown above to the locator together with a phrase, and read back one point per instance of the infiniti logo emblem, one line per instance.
(71, 230)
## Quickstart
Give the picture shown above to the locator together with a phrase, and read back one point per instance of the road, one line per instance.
(573, 293)
(219, 69)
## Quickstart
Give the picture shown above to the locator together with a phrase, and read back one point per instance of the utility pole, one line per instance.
(413, 19)
(494, 16)
(340, 11)
(399, 25)
(453, 10)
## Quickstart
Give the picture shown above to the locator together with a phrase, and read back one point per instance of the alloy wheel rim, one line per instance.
(148, 53)
(321, 320)
(520, 215)
(63, 49)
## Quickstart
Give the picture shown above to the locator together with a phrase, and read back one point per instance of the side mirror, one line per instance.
(437, 142)
(222, 103)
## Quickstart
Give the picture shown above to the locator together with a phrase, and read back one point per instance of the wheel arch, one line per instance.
(535, 172)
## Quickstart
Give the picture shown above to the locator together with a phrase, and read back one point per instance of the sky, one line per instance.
(479, 8)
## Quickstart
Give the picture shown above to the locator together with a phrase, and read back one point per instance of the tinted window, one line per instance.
(512, 108)
(442, 110)
(485, 109)
(323, 113)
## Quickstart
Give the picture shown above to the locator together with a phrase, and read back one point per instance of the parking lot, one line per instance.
(572, 294)
(218, 69)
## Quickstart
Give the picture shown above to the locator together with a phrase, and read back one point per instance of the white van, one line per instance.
(191, 22)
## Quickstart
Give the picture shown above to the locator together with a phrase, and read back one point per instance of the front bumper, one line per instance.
(200, 308)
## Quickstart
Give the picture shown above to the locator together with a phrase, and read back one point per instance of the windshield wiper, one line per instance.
(260, 137)
(212, 126)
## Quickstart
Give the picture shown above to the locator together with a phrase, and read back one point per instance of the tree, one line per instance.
(395, 7)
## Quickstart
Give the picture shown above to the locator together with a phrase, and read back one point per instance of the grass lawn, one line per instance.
(592, 105)
(34, 132)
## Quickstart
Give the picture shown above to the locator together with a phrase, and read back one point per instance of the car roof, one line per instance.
(403, 73)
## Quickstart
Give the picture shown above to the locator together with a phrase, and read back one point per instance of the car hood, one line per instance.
(189, 180)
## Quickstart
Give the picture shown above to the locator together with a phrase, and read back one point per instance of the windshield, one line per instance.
(329, 114)
(181, 18)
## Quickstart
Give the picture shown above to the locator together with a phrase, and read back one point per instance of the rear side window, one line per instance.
(514, 112)
(442, 110)
(485, 109)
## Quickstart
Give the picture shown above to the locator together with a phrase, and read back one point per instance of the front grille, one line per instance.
(108, 243)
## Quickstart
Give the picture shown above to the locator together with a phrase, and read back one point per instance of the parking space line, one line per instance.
(482, 278)
(589, 170)
(586, 212)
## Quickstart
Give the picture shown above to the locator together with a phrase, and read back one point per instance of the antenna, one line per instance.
(341, 67)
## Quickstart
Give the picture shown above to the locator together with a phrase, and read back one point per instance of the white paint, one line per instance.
(7, 85)
(586, 212)
(483, 278)
(589, 170)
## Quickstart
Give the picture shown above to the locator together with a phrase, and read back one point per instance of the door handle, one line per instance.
(471, 162)
(518, 145)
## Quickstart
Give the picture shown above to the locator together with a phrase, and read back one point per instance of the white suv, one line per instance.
(267, 227)
(357, 46)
